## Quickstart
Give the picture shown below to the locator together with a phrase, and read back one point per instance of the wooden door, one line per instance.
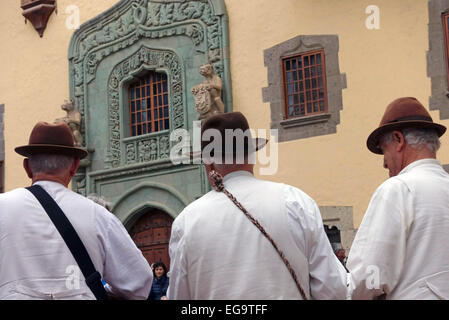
(151, 234)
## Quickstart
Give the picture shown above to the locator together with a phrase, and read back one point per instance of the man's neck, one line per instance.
(48, 177)
(418, 154)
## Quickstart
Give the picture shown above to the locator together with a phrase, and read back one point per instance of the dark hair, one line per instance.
(157, 265)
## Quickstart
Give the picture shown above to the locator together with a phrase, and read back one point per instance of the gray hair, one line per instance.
(49, 163)
(416, 138)
(100, 200)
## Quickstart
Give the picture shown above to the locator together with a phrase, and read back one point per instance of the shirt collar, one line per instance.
(418, 163)
(235, 174)
(48, 183)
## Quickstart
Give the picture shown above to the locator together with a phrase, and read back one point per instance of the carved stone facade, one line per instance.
(436, 59)
(107, 54)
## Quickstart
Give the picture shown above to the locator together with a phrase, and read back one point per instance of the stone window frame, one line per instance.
(437, 68)
(304, 126)
(2, 149)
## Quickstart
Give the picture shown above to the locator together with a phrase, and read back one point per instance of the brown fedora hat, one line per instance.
(52, 139)
(229, 121)
(403, 113)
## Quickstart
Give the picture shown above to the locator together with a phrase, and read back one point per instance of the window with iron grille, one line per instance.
(148, 104)
(304, 84)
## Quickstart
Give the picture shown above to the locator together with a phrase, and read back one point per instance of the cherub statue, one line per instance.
(208, 93)
(73, 120)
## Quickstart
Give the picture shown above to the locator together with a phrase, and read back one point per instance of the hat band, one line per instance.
(424, 118)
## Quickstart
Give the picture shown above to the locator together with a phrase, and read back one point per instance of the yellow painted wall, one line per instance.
(336, 169)
(380, 65)
(34, 74)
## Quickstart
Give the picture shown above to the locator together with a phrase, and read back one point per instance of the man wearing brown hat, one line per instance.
(400, 250)
(35, 261)
(249, 238)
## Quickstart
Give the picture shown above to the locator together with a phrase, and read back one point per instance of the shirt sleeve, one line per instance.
(126, 271)
(327, 275)
(377, 254)
(178, 288)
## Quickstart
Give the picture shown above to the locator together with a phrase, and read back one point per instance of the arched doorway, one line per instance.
(151, 234)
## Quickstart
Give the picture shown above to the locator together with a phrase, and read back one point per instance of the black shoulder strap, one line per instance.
(72, 240)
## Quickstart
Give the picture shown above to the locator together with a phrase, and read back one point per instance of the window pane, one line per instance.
(296, 87)
(161, 124)
(133, 106)
(294, 64)
(297, 110)
(139, 130)
(144, 128)
(321, 94)
(139, 117)
(165, 99)
(295, 99)
(154, 88)
(320, 82)
(321, 105)
(164, 86)
(301, 86)
(308, 94)
(167, 124)
(159, 88)
(312, 60)
(315, 107)
(318, 70)
(295, 75)
(307, 73)
(166, 112)
(309, 108)
(301, 98)
(138, 105)
(300, 75)
(312, 71)
(144, 116)
(287, 65)
(307, 84)
(315, 95)
(290, 111)
(290, 100)
(314, 83)
(306, 61)
(302, 109)
(149, 103)
(160, 113)
(133, 131)
(149, 128)
(155, 101)
(290, 88)
(299, 63)
(289, 77)
(318, 59)
(160, 101)
(133, 118)
(148, 91)
(132, 93)
(144, 104)
(138, 93)
(155, 114)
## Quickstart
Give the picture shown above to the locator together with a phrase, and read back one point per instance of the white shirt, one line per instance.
(35, 262)
(217, 253)
(401, 248)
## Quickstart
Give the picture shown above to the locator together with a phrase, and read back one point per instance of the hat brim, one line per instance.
(373, 139)
(258, 143)
(29, 150)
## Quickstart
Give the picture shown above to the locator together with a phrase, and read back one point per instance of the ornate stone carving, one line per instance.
(151, 59)
(73, 120)
(208, 93)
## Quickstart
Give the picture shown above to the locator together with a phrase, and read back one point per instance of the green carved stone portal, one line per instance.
(106, 55)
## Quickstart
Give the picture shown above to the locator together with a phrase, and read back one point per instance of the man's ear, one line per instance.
(399, 140)
(26, 166)
(74, 168)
